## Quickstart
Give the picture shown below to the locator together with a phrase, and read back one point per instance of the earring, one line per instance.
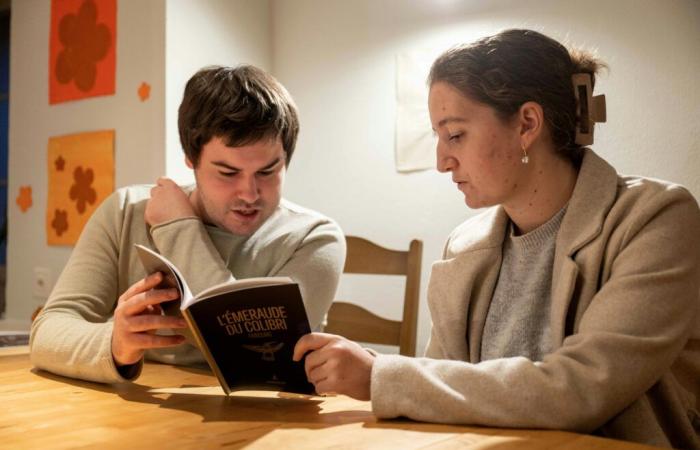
(525, 159)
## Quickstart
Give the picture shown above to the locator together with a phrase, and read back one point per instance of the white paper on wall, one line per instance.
(415, 141)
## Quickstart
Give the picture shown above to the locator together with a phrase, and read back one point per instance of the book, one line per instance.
(246, 329)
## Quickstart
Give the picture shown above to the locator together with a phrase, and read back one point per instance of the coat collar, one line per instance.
(593, 197)
(594, 194)
(461, 285)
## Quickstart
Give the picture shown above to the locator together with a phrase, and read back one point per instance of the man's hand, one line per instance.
(168, 202)
(336, 365)
(138, 316)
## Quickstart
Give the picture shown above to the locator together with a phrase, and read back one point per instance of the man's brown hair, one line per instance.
(240, 105)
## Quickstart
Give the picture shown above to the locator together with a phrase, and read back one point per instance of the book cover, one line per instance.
(246, 329)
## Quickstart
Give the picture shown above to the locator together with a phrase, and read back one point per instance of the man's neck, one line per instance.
(199, 209)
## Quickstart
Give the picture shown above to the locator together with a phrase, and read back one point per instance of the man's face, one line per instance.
(238, 188)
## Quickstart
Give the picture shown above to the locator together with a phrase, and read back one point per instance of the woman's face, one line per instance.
(482, 152)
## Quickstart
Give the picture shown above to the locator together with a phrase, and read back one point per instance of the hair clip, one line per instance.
(589, 109)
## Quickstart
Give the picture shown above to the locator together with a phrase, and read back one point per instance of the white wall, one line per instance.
(140, 127)
(202, 33)
(338, 60)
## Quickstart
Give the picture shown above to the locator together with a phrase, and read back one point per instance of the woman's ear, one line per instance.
(531, 118)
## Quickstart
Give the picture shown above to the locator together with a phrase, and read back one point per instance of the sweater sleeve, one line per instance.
(72, 335)
(316, 265)
(630, 334)
(186, 243)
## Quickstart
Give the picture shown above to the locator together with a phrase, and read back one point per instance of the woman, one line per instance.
(572, 302)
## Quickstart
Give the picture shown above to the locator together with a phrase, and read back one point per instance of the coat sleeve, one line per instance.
(632, 331)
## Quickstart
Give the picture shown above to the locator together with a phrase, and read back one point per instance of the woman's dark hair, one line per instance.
(240, 105)
(513, 67)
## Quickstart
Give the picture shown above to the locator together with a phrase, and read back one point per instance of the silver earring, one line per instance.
(525, 159)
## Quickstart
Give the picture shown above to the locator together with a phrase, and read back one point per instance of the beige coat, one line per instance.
(625, 323)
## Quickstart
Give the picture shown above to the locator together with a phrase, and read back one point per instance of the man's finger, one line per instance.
(164, 181)
(149, 322)
(143, 285)
(310, 342)
(144, 340)
(153, 297)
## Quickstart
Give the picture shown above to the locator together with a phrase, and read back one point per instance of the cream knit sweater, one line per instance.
(72, 335)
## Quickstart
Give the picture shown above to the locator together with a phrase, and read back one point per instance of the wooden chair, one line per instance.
(358, 324)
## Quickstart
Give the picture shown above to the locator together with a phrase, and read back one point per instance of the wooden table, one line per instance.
(175, 407)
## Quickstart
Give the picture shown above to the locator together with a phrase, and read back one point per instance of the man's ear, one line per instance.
(189, 163)
(531, 118)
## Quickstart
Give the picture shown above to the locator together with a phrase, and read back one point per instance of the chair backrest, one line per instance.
(358, 324)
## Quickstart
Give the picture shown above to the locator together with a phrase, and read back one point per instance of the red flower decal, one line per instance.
(81, 191)
(85, 43)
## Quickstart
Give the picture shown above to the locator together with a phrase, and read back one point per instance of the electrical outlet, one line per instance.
(42, 282)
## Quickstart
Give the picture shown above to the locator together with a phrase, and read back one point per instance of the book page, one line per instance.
(154, 262)
(244, 283)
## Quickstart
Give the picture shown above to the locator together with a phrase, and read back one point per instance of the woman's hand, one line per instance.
(336, 365)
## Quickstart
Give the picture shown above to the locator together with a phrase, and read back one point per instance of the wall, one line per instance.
(201, 33)
(140, 127)
(338, 60)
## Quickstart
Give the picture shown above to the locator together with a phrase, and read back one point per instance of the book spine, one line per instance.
(205, 350)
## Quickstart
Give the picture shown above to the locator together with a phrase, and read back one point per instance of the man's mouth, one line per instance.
(246, 214)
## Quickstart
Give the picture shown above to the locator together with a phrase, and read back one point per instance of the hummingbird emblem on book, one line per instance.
(268, 349)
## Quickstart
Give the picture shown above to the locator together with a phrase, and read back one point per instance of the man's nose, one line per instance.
(248, 190)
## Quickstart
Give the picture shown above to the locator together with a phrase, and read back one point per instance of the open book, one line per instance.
(246, 328)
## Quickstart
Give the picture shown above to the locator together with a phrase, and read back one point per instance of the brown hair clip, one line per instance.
(589, 109)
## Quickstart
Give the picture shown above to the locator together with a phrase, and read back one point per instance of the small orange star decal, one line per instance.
(144, 91)
(24, 199)
(60, 163)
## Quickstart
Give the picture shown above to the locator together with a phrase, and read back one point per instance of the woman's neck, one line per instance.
(550, 187)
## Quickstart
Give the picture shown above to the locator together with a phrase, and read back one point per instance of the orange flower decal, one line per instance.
(24, 199)
(85, 43)
(144, 91)
(60, 221)
(81, 191)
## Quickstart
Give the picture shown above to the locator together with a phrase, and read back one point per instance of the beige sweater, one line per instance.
(72, 335)
(625, 323)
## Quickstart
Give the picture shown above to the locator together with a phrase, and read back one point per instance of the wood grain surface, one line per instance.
(179, 407)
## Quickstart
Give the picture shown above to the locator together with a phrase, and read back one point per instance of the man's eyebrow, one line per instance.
(227, 166)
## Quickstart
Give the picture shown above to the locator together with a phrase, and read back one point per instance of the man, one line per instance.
(238, 128)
